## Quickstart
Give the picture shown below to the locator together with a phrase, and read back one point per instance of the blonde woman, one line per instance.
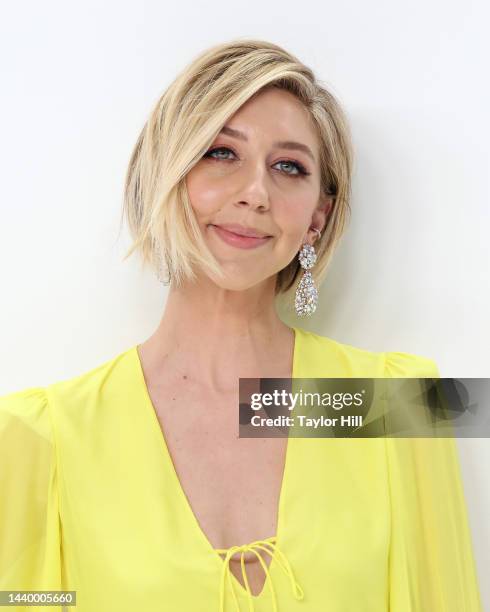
(129, 485)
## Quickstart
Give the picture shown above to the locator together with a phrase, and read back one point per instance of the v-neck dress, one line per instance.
(90, 502)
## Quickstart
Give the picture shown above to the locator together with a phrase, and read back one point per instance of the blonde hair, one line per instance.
(182, 126)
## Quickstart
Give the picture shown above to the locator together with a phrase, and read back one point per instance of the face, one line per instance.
(262, 172)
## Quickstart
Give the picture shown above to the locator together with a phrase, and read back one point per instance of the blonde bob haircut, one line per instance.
(181, 128)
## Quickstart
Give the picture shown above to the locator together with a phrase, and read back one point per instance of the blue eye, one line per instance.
(210, 152)
(300, 169)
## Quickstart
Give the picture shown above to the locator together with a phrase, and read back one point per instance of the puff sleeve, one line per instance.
(30, 556)
(431, 563)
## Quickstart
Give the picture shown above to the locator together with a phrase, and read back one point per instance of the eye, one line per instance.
(294, 165)
(217, 150)
(300, 169)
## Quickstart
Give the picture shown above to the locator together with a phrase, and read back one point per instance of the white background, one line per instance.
(411, 274)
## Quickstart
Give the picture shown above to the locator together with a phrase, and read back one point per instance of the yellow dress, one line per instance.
(90, 502)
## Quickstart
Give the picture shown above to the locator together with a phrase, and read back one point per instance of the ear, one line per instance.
(320, 216)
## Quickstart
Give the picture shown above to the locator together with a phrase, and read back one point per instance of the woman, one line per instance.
(128, 483)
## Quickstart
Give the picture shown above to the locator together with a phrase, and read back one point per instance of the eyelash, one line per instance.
(301, 169)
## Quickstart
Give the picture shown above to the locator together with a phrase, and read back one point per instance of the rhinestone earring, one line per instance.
(306, 299)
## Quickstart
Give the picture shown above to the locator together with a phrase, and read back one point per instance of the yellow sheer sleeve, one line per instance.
(431, 563)
(29, 520)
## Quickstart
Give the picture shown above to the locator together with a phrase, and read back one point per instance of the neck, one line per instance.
(218, 335)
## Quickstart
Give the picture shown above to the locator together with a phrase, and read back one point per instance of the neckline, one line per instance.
(167, 459)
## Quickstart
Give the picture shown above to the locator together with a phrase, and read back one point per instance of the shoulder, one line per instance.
(400, 364)
(100, 385)
(25, 409)
(39, 405)
(321, 356)
(93, 379)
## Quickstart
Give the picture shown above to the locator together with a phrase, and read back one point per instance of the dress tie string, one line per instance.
(274, 552)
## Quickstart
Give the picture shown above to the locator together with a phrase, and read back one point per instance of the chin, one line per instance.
(236, 281)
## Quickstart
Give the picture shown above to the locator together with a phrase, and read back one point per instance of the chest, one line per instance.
(134, 529)
(232, 484)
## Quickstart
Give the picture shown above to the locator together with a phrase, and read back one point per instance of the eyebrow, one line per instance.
(283, 144)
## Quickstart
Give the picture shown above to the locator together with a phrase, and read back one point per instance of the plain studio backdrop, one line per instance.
(412, 272)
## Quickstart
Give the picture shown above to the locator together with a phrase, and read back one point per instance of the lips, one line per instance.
(238, 240)
(242, 230)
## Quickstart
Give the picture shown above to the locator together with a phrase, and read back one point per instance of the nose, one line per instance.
(253, 191)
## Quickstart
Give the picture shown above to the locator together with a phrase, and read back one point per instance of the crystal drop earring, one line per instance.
(306, 299)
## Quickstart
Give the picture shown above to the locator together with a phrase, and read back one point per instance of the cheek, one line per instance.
(294, 216)
(205, 194)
